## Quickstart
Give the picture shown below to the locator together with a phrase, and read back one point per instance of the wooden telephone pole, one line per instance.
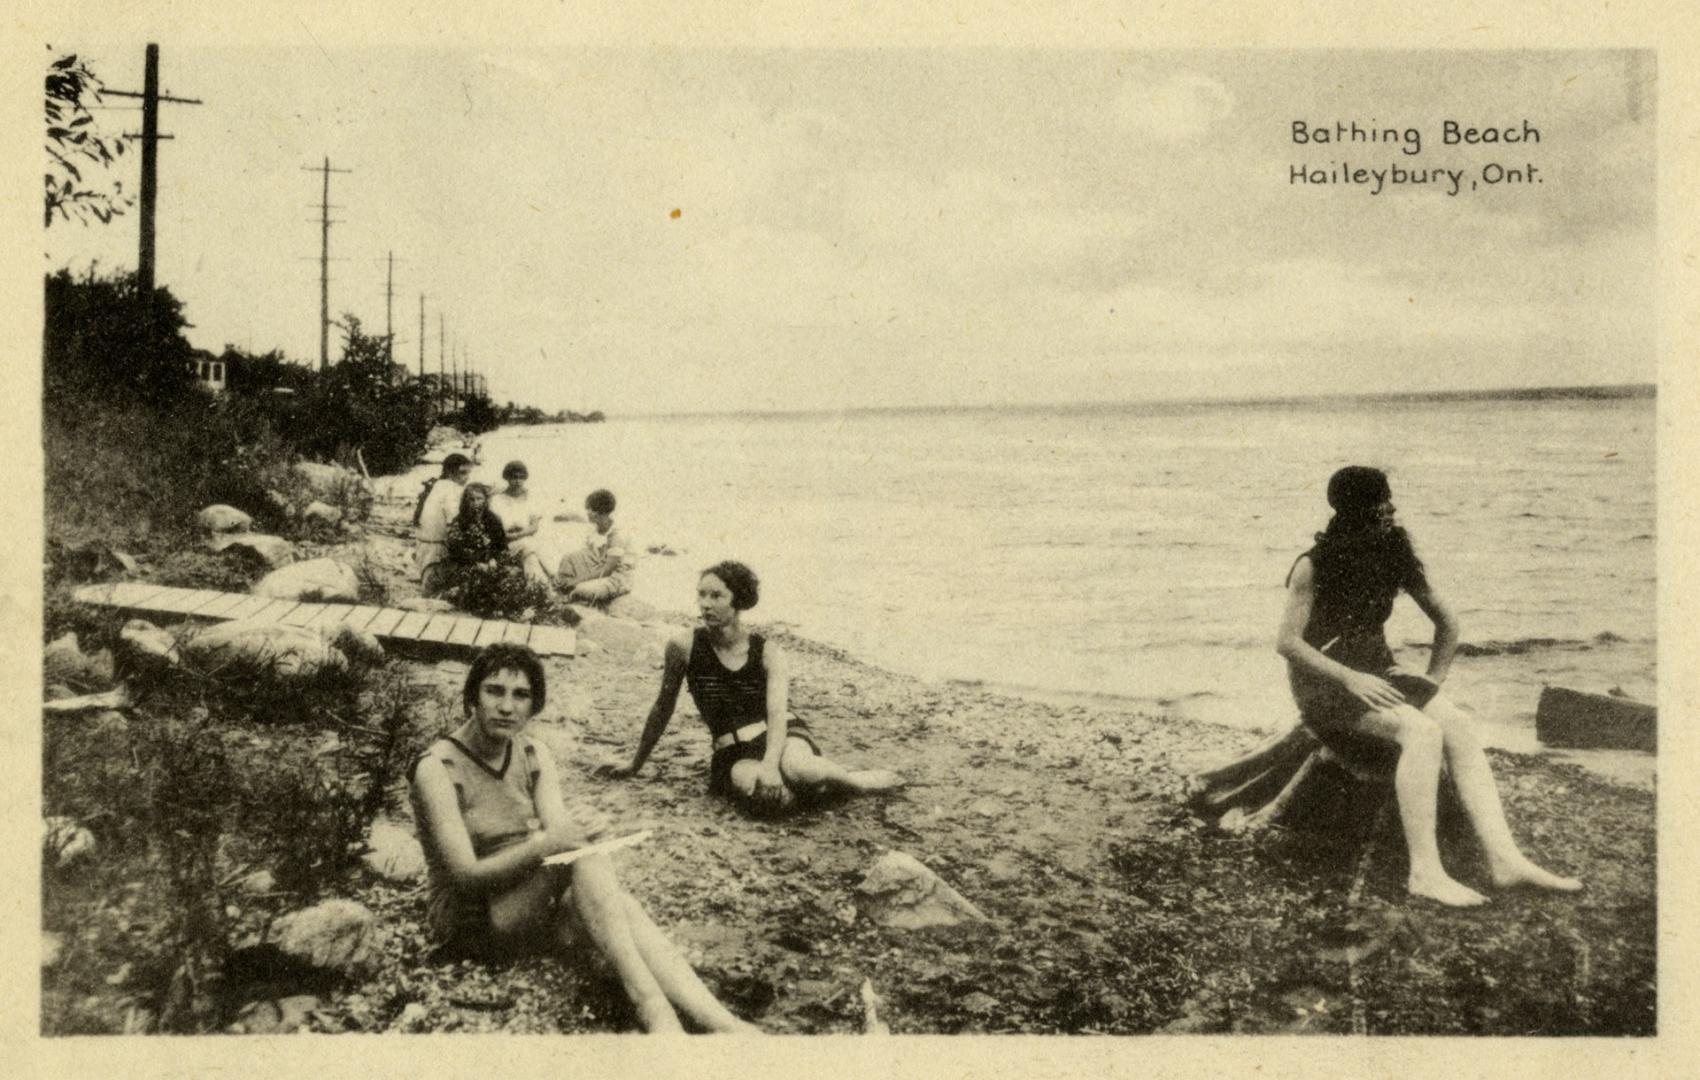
(325, 261)
(150, 136)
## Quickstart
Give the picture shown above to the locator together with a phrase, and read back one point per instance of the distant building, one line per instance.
(210, 372)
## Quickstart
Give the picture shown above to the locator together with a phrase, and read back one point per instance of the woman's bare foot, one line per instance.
(1445, 890)
(1522, 872)
(874, 781)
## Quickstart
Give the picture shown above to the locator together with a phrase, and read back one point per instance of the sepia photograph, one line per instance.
(594, 537)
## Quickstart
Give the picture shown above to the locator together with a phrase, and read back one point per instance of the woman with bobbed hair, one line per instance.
(512, 506)
(1364, 706)
(487, 798)
(763, 756)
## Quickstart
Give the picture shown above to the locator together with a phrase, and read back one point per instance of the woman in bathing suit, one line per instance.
(1360, 703)
(488, 801)
(762, 755)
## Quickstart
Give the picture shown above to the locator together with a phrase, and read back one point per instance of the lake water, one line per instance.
(1139, 551)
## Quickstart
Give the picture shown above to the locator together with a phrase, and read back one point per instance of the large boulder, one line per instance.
(279, 1016)
(63, 661)
(285, 651)
(335, 935)
(220, 518)
(393, 852)
(422, 603)
(64, 843)
(322, 513)
(147, 645)
(336, 485)
(275, 551)
(325, 579)
(899, 891)
(630, 607)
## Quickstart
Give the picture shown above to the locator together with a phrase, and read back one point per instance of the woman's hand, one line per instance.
(614, 770)
(1372, 690)
(770, 785)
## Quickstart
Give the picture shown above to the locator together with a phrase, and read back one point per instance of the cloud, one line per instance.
(1182, 108)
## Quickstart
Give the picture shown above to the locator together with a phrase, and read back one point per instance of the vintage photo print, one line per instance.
(853, 536)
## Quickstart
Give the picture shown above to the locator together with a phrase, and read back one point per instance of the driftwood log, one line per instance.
(1293, 780)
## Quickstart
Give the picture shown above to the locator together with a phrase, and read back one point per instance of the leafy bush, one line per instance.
(502, 591)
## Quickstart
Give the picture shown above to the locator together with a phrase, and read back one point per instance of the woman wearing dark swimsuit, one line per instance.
(1357, 700)
(741, 683)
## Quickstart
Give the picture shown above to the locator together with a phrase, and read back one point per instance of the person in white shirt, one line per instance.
(439, 506)
(602, 569)
(513, 506)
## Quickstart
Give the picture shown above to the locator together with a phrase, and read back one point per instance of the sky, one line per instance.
(906, 226)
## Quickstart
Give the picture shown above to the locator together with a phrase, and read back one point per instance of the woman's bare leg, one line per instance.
(1507, 865)
(683, 987)
(802, 767)
(601, 907)
(1416, 785)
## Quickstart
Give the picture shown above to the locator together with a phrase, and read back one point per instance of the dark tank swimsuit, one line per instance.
(1350, 629)
(729, 700)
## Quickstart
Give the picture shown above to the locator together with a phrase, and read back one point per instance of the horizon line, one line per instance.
(1582, 391)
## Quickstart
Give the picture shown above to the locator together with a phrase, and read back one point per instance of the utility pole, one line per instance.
(325, 262)
(150, 136)
(442, 375)
(389, 330)
(422, 337)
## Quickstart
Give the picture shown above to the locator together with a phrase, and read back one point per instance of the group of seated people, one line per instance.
(488, 800)
(463, 525)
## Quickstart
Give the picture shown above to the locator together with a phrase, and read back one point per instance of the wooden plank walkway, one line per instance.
(451, 632)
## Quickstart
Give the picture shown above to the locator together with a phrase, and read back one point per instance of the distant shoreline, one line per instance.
(1608, 392)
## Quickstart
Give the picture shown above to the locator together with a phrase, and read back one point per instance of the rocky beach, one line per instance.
(1039, 875)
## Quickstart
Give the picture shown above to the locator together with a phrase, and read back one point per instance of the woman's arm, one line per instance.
(770, 782)
(674, 662)
(1446, 630)
(1290, 643)
(438, 811)
(562, 827)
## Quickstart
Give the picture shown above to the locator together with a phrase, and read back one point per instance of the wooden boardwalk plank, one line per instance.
(384, 622)
(358, 617)
(183, 601)
(410, 625)
(438, 628)
(489, 631)
(329, 617)
(464, 631)
(251, 607)
(221, 607)
(517, 633)
(302, 614)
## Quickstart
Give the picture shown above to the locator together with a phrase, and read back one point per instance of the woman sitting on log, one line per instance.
(488, 801)
(1358, 702)
(763, 756)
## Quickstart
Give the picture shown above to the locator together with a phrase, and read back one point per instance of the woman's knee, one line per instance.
(743, 777)
(1410, 727)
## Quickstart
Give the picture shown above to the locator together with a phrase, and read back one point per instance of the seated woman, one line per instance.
(512, 506)
(1358, 702)
(475, 536)
(601, 570)
(763, 756)
(488, 801)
